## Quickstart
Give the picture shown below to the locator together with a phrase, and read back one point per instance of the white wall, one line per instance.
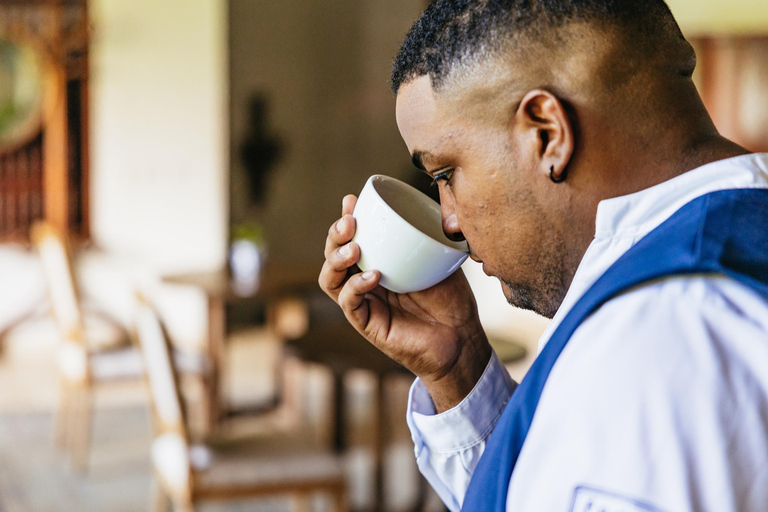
(159, 145)
(721, 17)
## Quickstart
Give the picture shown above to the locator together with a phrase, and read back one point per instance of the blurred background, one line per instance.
(179, 163)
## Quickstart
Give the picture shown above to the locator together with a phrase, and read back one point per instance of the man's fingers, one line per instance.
(339, 233)
(352, 298)
(336, 267)
(344, 257)
(340, 254)
(331, 281)
(348, 204)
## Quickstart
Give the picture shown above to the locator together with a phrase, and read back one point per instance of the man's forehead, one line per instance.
(424, 120)
(416, 102)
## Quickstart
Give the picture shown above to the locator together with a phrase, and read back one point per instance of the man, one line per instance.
(573, 153)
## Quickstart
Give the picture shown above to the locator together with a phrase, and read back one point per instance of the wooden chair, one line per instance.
(93, 349)
(185, 474)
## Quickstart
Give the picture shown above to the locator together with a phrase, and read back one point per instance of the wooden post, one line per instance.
(55, 143)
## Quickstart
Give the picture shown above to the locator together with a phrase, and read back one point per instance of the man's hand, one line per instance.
(435, 333)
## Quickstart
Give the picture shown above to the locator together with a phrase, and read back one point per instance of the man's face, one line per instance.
(491, 192)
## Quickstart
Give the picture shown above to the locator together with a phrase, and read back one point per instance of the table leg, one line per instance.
(382, 429)
(216, 334)
(339, 408)
(382, 435)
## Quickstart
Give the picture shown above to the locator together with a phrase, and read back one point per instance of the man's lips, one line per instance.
(477, 259)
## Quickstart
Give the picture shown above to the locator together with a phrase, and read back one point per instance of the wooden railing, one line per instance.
(21, 190)
(48, 176)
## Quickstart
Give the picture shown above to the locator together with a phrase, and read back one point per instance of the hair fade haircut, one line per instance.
(452, 32)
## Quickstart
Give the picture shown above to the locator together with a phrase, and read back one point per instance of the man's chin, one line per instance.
(506, 289)
(516, 296)
(523, 298)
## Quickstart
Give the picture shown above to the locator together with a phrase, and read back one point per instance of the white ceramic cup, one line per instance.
(400, 234)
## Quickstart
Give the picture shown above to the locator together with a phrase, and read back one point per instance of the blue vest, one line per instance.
(723, 232)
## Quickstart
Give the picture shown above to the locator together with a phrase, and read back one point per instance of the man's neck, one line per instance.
(645, 174)
(663, 164)
(707, 150)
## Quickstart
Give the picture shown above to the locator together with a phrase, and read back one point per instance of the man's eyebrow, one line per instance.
(417, 159)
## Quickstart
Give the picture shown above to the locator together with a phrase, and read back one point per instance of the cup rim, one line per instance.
(383, 177)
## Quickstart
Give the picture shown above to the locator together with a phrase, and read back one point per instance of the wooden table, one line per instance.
(330, 341)
(220, 289)
(337, 345)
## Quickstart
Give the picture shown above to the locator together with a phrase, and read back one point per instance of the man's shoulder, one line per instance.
(679, 304)
(662, 388)
(701, 324)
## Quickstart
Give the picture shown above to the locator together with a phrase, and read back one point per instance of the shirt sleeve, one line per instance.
(449, 445)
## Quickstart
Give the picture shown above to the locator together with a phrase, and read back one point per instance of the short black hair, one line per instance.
(452, 31)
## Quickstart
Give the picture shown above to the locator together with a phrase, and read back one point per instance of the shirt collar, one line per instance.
(639, 213)
(622, 221)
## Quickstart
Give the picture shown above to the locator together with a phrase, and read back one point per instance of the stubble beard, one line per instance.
(544, 303)
(545, 295)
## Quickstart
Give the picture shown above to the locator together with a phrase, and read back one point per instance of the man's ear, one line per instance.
(542, 116)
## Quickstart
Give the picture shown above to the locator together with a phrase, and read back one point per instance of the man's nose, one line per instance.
(451, 225)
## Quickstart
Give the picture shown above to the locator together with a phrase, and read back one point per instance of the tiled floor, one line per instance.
(36, 478)
(33, 477)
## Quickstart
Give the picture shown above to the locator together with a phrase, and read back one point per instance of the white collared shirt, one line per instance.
(659, 402)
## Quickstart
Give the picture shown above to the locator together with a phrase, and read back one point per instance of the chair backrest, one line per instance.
(170, 449)
(161, 373)
(62, 291)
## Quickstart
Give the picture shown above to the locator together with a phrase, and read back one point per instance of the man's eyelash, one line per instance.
(444, 175)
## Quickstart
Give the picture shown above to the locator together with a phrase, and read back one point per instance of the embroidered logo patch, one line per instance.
(589, 499)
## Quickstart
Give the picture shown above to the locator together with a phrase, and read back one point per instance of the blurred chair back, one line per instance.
(86, 356)
(170, 448)
(189, 475)
(57, 267)
(161, 373)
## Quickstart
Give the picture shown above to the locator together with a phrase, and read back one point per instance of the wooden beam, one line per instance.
(55, 139)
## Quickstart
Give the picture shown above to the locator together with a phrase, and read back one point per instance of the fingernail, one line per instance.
(344, 251)
(338, 225)
(368, 274)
